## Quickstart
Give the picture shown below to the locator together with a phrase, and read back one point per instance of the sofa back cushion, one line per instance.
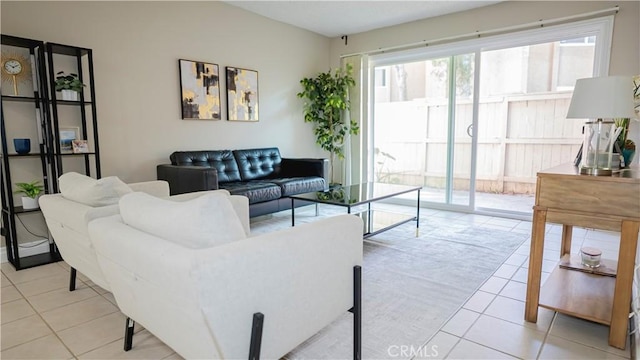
(91, 192)
(206, 221)
(258, 163)
(221, 160)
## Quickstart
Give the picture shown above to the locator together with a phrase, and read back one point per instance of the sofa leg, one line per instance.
(128, 334)
(256, 336)
(72, 279)
(357, 312)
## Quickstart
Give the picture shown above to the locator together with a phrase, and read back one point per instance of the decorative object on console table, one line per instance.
(326, 99)
(628, 152)
(31, 191)
(590, 257)
(22, 146)
(603, 99)
(200, 90)
(69, 85)
(16, 68)
(242, 94)
(66, 136)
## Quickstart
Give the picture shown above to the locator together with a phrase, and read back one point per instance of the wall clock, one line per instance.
(16, 68)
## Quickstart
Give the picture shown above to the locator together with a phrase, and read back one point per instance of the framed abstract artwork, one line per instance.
(242, 94)
(200, 90)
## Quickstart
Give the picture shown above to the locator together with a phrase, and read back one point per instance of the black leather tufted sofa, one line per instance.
(262, 175)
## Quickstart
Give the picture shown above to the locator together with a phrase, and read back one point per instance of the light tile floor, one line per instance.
(41, 319)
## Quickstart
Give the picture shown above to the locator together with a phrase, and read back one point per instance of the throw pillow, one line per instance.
(91, 192)
(206, 221)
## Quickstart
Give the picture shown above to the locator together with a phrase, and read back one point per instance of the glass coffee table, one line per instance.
(375, 221)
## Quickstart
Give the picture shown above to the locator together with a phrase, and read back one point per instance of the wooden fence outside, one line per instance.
(517, 137)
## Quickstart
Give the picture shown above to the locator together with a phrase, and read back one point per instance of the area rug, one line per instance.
(411, 285)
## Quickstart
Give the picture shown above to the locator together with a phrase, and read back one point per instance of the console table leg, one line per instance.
(624, 283)
(535, 265)
(567, 235)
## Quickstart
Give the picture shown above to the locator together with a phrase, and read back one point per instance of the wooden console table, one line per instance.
(599, 202)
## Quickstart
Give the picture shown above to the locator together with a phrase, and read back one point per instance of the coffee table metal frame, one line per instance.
(378, 192)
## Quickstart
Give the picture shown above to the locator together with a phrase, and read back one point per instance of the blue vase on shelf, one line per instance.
(22, 146)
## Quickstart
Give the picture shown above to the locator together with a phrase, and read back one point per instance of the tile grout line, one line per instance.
(583, 344)
(431, 338)
(480, 314)
(55, 333)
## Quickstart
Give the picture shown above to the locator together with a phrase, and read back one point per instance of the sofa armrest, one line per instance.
(73, 215)
(305, 167)
(300, 278)
(185, 179)
(157, 188)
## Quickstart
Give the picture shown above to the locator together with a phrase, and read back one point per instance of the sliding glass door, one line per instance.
(422, 110)
(473, 122)
(525, 93)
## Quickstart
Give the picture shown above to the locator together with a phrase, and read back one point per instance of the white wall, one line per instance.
(625, 52)
(136, 47)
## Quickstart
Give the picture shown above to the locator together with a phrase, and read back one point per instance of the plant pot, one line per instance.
(69, 95)
(628, 156)
(29, 203)
(22, 146)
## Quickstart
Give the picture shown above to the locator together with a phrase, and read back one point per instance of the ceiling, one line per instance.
(337, 18)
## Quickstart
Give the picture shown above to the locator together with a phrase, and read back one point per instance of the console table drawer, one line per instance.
(605, 197)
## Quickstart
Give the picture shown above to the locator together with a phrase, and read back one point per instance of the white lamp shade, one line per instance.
(606, 97)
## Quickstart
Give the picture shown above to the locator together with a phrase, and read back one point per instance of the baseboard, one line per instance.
(28, 250)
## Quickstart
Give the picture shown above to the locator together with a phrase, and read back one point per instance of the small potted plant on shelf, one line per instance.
(31, 191)
(69, 85)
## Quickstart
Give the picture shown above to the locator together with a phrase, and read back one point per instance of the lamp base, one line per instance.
(596, 171)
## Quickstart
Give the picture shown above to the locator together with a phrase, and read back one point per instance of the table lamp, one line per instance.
(600, 100)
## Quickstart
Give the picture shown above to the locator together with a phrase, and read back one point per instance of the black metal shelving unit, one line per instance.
(40, 100)
(48, 59)
(83, 60)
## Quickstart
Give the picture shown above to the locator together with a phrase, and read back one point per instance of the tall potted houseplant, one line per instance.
(69, 85)
(30, 192)
(326, 100)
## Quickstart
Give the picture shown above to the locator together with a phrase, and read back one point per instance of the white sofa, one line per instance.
(67, 221)
(203, 301)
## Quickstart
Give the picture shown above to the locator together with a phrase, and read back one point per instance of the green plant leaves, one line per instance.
(68, 82)
(326, 99)
(31, 189)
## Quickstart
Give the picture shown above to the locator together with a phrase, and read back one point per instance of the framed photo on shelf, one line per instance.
(242, 94)
(66, 135)
(80, 146)
(200, 90)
